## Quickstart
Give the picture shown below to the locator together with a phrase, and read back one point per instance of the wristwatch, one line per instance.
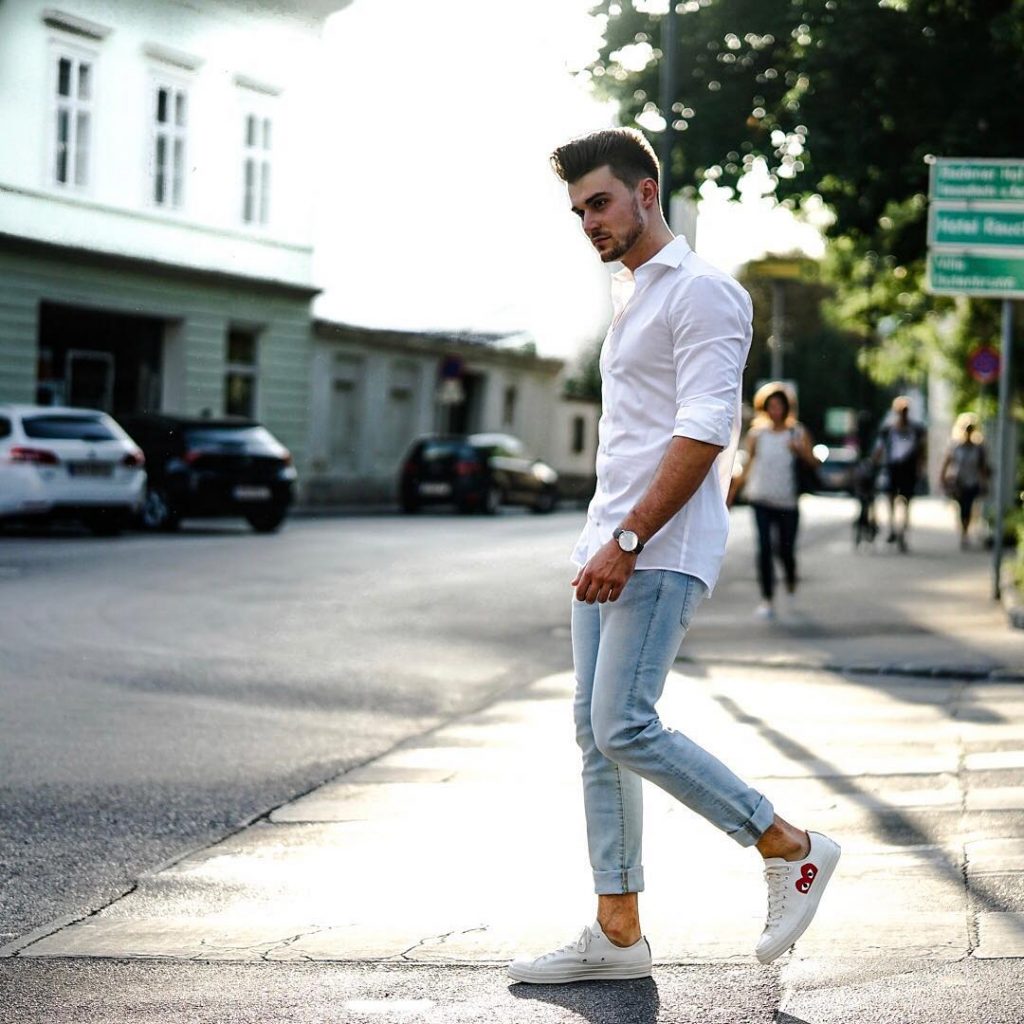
(628, 541)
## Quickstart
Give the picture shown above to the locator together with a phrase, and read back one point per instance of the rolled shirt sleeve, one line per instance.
(710, 322)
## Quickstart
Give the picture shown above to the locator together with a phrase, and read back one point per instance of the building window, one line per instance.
(73, 99)
(508, 413)
(241, 373)
(170, 132)
(579, 427)
(256, 165)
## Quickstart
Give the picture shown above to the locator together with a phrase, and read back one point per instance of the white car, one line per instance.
(69, 463)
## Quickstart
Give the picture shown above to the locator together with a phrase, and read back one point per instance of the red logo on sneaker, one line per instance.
(807, 875)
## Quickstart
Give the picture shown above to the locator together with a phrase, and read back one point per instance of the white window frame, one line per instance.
(76, 109)
(257, 159)
(175, 139)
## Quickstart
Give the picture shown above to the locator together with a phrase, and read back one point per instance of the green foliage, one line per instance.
(843, 99)
(819, 357)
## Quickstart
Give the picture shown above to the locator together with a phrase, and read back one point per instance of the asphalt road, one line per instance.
(159, 691)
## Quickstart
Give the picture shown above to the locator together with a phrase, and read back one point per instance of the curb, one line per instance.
(964, 672)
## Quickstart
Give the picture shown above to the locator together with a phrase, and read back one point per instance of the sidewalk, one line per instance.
(929, 611)
(467, 845)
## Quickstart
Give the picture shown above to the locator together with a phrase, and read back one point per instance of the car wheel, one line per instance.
(545, 502)
(410, 506)
(157, 513)
(267, 520)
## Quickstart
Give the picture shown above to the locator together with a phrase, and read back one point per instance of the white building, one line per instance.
(156, 205)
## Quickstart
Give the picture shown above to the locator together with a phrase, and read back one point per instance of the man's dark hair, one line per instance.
(624, 150)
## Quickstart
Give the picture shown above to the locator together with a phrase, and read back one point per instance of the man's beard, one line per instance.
(635, 231)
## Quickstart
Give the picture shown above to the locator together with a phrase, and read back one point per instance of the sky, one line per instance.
(443, 212)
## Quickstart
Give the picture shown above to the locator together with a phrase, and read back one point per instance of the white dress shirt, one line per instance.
(671, 366)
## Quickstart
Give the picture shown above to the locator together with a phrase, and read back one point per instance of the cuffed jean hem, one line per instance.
(614, 883)
(756, 825)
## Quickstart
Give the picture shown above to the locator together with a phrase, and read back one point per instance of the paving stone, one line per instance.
(999, 798)
(994, 759)
(1000, 935)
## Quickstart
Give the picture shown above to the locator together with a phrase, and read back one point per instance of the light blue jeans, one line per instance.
(622, 651)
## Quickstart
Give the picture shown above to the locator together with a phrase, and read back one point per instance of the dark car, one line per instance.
(475, 473)
(212, 467)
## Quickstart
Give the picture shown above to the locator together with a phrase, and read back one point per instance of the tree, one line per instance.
(843, 99)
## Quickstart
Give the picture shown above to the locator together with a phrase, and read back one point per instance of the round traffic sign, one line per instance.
(983, 364)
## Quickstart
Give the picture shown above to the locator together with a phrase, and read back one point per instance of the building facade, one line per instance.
(156, 206)
(373, 391)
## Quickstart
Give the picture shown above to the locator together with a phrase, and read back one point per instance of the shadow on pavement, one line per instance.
(602, 1003)
(893, 825)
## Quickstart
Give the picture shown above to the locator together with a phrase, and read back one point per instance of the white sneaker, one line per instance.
(795, 888)
(592, 957)
(764, 610)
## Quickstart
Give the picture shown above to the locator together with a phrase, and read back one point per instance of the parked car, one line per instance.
(837, 467)
(212, 467)
(70, 463)
(476, 473)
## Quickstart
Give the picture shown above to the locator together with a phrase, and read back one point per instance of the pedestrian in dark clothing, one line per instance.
(965, 470)
(900, 450)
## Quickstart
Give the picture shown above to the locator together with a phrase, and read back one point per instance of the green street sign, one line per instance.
(974, 274)
(979, 180)
(998, 228)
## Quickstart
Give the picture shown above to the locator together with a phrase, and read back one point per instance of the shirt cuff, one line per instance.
(710, 422)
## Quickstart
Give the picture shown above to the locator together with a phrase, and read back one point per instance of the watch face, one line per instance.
(628, 540)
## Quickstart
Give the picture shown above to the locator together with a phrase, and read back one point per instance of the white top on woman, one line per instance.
(772, 474)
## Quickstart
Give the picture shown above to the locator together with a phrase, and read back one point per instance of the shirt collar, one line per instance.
(670, 255)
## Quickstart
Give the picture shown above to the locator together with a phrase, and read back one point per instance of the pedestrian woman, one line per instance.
(776, 443)
(965, 469)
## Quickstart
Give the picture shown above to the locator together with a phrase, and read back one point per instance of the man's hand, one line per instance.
(604, 576)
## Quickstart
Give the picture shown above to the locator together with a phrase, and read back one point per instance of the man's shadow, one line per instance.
(612, 1002)
(607, 1002)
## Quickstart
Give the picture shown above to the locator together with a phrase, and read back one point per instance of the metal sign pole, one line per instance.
(1003, 477)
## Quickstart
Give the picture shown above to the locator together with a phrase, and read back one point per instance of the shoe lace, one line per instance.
(580, 945)
(776, 875)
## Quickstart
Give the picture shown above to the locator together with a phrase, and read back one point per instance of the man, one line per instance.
(901, 450)
(650, 552)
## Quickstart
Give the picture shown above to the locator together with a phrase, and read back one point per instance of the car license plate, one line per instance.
(91, 469)
(435, 490)
(252, 493)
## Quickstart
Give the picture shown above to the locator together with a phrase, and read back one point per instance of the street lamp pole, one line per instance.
(667, 69)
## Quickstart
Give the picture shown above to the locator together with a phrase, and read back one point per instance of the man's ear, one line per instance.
(649, 192)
